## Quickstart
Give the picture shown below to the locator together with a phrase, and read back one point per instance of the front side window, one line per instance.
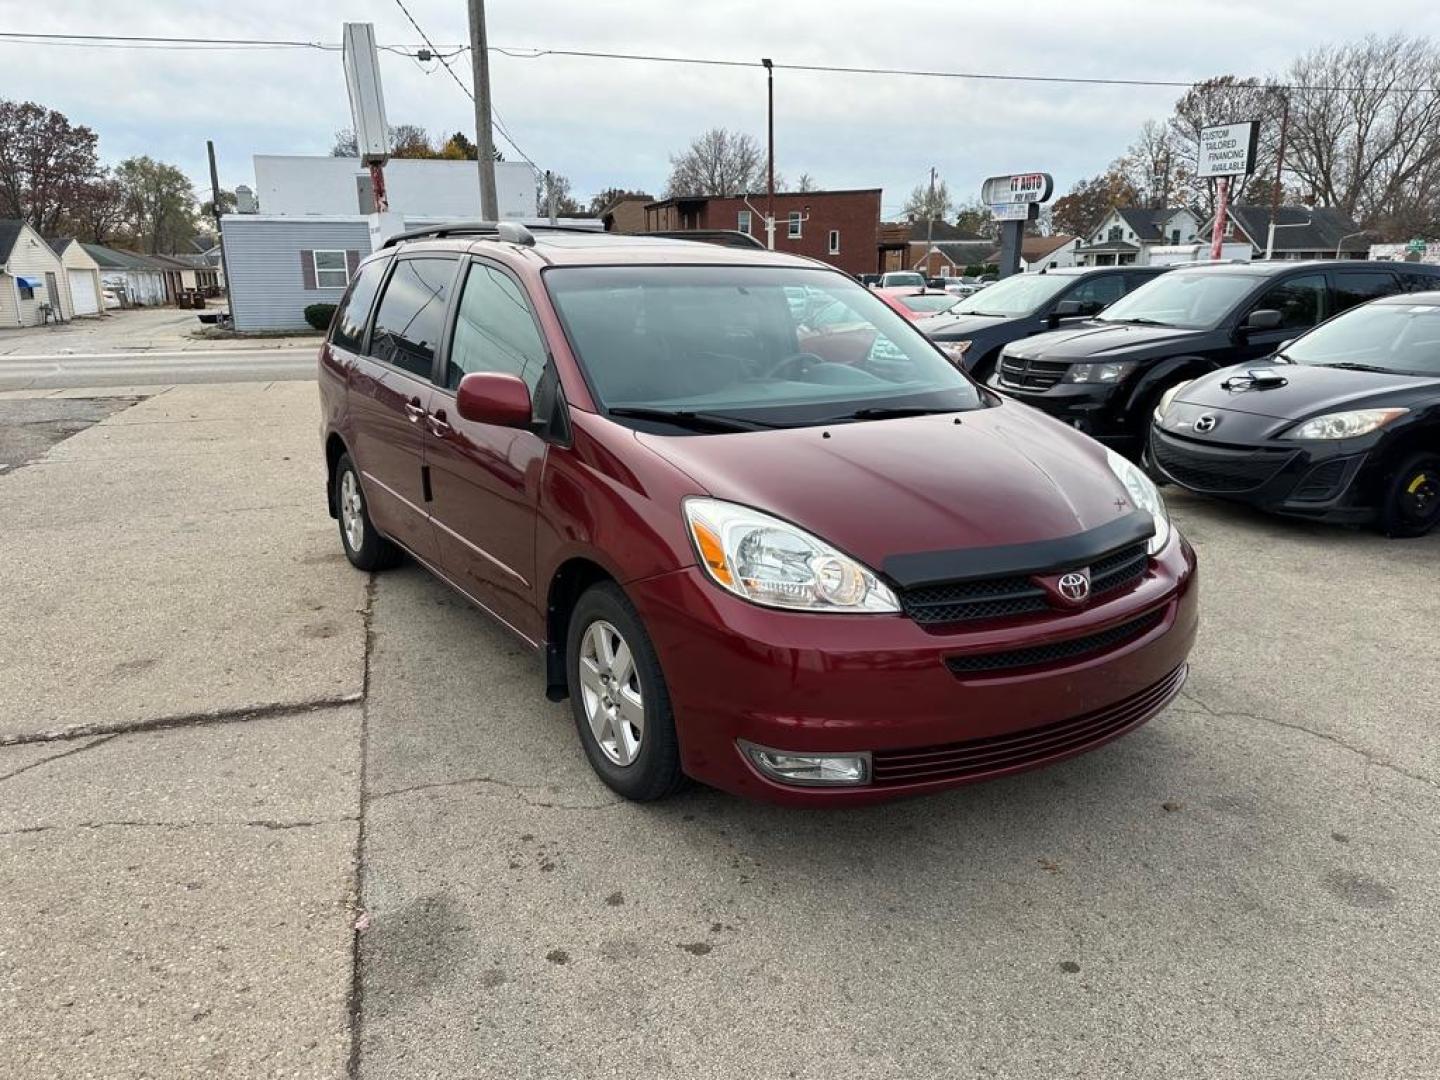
(494, 330)
(411, 316)
(1401, 337)
(1191, 301)
(758, 344)
(1301, 301)
(1356, 286)
(348, 329)
(331, 270)
(795, 223)
(742, 221)
(1100, 291)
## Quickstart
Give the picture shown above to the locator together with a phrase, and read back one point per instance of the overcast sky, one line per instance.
(611, 123)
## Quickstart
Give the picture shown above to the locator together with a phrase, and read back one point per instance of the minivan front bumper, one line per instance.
(911, 698)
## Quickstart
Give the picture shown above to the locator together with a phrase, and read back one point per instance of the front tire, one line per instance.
(1410, 496)
(619, 699)
(364, 546)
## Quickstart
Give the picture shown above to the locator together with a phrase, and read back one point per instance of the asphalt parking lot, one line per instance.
(222, 750)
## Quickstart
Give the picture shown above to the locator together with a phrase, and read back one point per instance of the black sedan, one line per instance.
(1342, 424)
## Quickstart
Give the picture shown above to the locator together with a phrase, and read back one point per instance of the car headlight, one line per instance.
(772, 562)
(1144, 495)
(1168, 398)
(1344, 425)
(955, 350)
(1099, 373)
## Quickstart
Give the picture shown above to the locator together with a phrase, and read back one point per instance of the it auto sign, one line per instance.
(1022, 188)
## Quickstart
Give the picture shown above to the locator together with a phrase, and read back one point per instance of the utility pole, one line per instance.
(485, 139)
(930, 214)
(770, 153)
(550, 196)
(1279, 170)
(215, 209)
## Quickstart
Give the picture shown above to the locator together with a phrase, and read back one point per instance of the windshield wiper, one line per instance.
(688, 418)
(1350, 365)
(1142, 321)
(890, 412)
(982, 314)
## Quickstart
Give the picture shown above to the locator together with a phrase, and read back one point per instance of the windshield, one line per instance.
(770, 345)
(1188, 301)
(896, 278)
(929, 303)
(1404, 338)
(1021, 294)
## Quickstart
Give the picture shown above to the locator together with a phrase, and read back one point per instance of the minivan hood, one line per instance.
(1101, 341)
(1004, 475)
(1309, 391)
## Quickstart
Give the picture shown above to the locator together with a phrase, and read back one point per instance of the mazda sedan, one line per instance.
(799, 559)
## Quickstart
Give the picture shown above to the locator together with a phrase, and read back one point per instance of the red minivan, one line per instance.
(808, 563)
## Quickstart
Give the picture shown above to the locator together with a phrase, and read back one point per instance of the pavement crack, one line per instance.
(199, 719)
(56, 757)
(124, 823)
(1290, 725)
(520, 790)
(355, 1006)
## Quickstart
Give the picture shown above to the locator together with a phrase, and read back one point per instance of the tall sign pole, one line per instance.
(770, 154)
(1279, 172)
(484, 137)
(1222, 212)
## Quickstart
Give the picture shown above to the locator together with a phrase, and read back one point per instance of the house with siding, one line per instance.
(279, 265)
(1127, 234)
(82, 275)
(32, 278)
(133, 278)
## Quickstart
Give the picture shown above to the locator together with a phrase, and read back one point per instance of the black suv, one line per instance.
(1106, 376)
(973, 332)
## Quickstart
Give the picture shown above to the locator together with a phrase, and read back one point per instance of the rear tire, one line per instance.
(1410, 496)
(364, 546)
(615, 680)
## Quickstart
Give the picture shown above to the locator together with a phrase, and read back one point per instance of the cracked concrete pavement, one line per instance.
(203, 793)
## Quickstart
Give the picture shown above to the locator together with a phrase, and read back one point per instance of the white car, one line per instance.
(110, 298)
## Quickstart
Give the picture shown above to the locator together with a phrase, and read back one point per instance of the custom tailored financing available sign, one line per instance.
(1229, 149)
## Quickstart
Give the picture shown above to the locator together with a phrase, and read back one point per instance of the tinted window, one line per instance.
(1356, 286)
(348, 331)
(1301, 301)
(494, 330)
(1420, 280)
(1101, 290)
(412, 314)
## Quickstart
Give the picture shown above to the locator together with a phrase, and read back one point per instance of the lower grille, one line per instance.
(1215, 468)
(1031, 374)
(1321, 483)
(1055, 651)
(976, 757)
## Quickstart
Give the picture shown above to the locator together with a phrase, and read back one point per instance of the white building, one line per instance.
(1126, 235)
(294, 186)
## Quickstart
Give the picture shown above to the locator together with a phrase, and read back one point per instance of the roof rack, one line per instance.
(723, 237)
(511, 232)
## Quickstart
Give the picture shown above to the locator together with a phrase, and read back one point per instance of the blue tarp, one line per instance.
(30, 282)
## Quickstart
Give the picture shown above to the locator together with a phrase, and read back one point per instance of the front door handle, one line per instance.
(414, 410)
(438, 427)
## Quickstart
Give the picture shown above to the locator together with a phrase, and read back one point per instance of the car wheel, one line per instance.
(619, 699)
(1410, 500)
(364, 546)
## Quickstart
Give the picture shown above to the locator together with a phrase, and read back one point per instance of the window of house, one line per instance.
(742, 221)
(1116, 232)
(331, 270)
(411, 316)
(1174, 236)
(26, 292)
(834, 241)
(795, 223)
(494, 330)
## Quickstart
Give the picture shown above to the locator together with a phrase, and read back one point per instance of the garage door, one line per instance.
(82, 288)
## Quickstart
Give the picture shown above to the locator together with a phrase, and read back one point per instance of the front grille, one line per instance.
(1321, 483)
(996, 753)
(1217, 468)
(1055, 651)
(1002, 597)
(1031, 374)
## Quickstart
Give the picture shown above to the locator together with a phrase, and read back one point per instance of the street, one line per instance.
(223, 750)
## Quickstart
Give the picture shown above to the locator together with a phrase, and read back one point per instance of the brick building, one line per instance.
(841, 228)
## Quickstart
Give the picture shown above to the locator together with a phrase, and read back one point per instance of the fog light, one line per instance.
(812, 770)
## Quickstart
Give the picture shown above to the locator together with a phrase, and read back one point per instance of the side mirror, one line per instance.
(1264, 319)
(1067, 309)
(493, 398)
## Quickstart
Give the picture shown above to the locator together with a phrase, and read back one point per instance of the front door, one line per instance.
(391, 395)
(485, 480)
(1302, 301)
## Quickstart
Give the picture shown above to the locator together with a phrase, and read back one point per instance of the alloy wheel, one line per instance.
(352, 511)
(610, 689)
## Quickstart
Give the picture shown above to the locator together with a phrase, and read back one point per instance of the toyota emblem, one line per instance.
(1074, 587)
(1206, 423)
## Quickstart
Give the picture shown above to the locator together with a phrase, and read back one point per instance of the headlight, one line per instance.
(1344, 425)
(955, 350)
(771, 562)
(1099, 373)
(1144, 495)
(1168, 398)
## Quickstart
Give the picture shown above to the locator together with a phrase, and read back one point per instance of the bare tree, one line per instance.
(1361, 139)
(1222, 100)
(565, 204)
(925, 204)
(806, 183)
(719, 162)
